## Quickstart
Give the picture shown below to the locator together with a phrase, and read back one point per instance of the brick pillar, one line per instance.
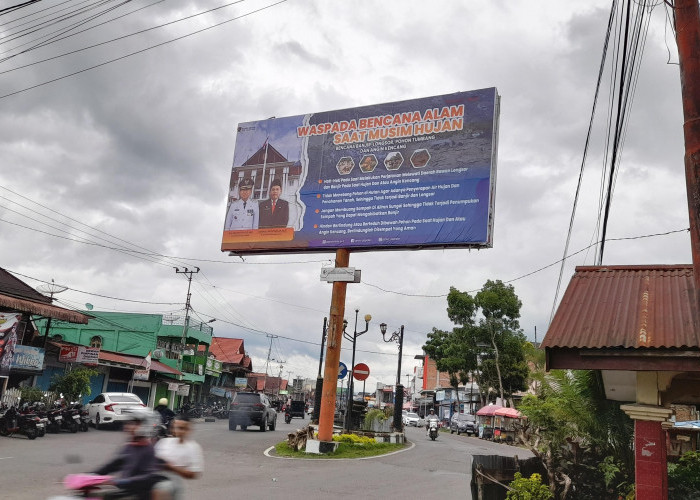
(650, 474)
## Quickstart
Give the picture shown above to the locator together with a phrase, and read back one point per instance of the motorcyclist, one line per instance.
(135, 465)
(430, 416)
(166, 414)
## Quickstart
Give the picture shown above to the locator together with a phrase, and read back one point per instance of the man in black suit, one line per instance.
(274, 212)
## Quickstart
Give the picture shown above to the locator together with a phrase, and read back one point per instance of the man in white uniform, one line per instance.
(182, 458)
(243, 212)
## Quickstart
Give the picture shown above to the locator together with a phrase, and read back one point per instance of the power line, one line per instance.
(53, 80)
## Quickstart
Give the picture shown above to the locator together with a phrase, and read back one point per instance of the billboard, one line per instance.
(409, 174)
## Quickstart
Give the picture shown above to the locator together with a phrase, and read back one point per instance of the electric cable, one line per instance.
(53, 80)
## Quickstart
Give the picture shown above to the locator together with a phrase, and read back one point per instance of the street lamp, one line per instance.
(398, 399)
(351, 383)
(319, 377)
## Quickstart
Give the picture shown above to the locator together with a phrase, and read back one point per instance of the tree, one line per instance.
(490, 349)
(583, 439)
(74, 383)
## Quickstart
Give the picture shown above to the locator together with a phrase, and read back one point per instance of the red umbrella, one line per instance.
(489, 410)
(508, 412)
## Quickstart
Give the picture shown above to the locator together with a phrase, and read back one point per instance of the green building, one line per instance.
(178, 355)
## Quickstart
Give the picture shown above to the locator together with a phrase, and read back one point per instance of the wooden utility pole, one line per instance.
(335, 337)
(687, 25)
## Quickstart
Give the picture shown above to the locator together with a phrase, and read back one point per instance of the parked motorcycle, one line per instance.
(84, 417)
(433, 429)
(14, 422)
(39, 410)
(55, 418)
(71, 419)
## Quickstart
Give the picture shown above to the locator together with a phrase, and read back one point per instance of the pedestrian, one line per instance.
(182, 458)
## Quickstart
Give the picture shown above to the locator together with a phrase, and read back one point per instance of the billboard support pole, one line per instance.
(335, 337)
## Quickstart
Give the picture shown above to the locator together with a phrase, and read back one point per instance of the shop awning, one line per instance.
(42, 309)
(136, 362)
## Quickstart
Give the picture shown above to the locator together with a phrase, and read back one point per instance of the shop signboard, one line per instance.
(27, 358)
(241, 382)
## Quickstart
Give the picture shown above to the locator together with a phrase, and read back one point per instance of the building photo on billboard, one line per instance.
(410, 174)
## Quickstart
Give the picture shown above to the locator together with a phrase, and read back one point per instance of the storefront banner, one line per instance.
(241, 382)
(172, 386)
(141, 374)
(28, 359)
(183, 390)
(79, 354)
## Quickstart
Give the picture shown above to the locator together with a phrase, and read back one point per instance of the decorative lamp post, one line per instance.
(351, 382)
(319, 377)
(398, 399)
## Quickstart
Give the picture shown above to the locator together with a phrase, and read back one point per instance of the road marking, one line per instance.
(3, 458)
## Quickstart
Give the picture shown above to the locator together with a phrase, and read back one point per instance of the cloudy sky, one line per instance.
(112, 176)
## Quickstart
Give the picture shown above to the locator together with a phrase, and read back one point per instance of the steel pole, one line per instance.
(335, 337)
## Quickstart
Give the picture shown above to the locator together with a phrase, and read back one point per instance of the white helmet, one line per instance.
(163, 402)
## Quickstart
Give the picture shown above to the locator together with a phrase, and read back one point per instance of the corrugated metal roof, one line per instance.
(626, 306)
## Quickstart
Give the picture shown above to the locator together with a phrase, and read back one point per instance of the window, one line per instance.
(96, 341)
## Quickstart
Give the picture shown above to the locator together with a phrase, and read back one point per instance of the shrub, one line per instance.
(684, 477)
(353, 439)
(528, 488)
(374, 414)
(32, 394)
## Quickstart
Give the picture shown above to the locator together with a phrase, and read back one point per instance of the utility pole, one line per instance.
(687, 19)
(51, 289)
(267, 363)
(188, 273)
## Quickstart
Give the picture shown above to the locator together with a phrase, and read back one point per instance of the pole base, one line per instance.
(321, 447)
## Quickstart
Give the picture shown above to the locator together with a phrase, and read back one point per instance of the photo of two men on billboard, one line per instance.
(246, 214)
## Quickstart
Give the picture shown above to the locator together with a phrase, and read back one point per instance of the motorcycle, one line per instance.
(39, 410)
(71, 419)
(287, 415)
(12, 422)
(433, 429)
(55, 419)
(84, 417)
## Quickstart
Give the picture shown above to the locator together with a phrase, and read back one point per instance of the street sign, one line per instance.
(342, 370)
(347, 274)
(361, 371)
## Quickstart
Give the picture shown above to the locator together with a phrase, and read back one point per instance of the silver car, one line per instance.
(113, 407)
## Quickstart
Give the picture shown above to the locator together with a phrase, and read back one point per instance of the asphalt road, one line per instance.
(236, 466)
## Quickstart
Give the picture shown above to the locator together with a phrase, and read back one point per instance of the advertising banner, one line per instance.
(79, 354)
(9, 323)
(28, 359)
(241, 383)
(410, 174)
(142, 374)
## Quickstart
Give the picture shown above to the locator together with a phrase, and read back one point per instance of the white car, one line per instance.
(113, 407)
(411, 419)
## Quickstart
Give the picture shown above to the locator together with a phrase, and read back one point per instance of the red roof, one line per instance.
(258, 158)
(137, 362)
(227, 350)
(628, 307)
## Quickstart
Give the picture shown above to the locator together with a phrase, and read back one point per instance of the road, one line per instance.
(236, 466)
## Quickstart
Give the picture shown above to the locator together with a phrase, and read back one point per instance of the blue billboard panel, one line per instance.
(410, 174)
